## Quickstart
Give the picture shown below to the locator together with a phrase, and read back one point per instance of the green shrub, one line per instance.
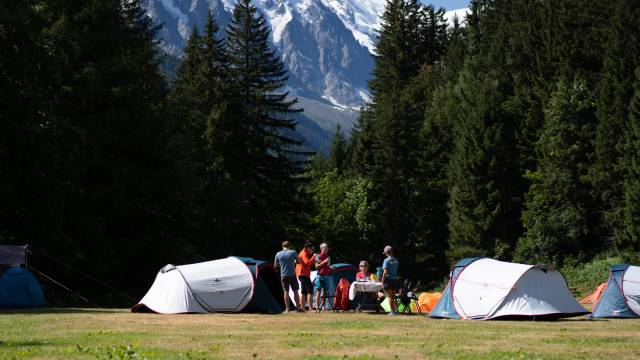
(584, 277)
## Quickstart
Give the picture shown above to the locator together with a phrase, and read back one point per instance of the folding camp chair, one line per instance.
(407, 296)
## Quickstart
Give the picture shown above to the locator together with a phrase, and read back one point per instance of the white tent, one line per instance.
(631, 288)
(486, 289)
(225, 285)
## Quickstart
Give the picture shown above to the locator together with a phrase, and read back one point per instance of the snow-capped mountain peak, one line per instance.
(362, 18)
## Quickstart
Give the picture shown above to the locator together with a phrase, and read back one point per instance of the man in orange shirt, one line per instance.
(306, 258)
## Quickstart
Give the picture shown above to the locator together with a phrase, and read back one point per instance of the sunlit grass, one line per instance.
(118, 334)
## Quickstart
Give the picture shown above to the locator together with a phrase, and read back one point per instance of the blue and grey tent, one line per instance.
(18, 287)
(483, 289)
(621, 297)
(444, 308)
(233, 284)
(339, 271)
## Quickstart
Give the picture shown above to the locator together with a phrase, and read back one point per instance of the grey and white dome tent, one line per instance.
(227, 285)
(483, 289)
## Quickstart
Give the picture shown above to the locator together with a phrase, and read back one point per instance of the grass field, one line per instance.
(118, 334)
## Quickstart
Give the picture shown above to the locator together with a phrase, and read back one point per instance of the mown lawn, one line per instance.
(118, 334)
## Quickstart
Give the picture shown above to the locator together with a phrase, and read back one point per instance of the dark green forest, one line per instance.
(514, 135)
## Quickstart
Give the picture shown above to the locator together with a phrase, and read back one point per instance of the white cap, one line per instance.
(387, 249)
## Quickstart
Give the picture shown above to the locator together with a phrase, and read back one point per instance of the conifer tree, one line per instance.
(108, 89)
(203, 139)
(338, 151)
(557, 216)
(481, 170)
(622, 38)
(269, 158)
(630, 239)
(410, 39)
(34, 158)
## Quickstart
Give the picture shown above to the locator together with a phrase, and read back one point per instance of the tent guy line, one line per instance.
(41, 252)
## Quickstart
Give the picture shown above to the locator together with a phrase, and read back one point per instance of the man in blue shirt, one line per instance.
(390, 277)
(286, 261)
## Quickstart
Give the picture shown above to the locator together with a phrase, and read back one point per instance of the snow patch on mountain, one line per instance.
(278, 18)
(362, 18)
(460, 13)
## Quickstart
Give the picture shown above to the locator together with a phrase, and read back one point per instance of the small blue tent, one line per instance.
(621, 297)
(20, 289)
(339, 271)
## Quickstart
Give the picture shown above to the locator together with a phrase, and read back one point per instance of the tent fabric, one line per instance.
(594, 296)
(444, 309)
(13, 255)
(268, 295)
(225, 285)
(487, 289)
(339, 271)
(20, 289)
(631, 288)
(428, 301)
(621, 297)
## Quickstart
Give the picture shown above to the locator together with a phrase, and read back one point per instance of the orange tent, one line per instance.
(594, 296)
(427, 301)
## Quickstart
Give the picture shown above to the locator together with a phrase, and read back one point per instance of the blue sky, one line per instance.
(448, 4)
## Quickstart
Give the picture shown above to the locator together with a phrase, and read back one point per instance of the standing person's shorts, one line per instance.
(322, 282)
(390, 284)
(289, 281)
(305, 285)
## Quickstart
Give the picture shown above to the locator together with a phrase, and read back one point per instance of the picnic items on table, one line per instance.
(364, 295)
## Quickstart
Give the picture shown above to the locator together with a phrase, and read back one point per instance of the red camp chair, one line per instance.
(341, 300)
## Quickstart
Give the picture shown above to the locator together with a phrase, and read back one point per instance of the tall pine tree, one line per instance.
(558, 208)
(630, 239)
(622, 39)
(269, 158)
(200, 102)
(482, 220)
(412, 37)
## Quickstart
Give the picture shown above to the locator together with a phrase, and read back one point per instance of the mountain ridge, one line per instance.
(326, 45)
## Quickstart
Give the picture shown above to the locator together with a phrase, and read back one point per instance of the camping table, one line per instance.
(360, 289)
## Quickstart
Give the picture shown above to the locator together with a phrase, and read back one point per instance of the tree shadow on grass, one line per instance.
(19, 343)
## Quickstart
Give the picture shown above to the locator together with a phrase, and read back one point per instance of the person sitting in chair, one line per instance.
(364, 273)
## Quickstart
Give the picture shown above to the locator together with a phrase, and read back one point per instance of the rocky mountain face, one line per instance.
(328, 66)
(325, 44)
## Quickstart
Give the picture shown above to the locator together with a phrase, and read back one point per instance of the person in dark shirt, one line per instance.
(306, 259)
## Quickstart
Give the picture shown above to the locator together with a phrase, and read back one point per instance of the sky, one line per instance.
(448, 4)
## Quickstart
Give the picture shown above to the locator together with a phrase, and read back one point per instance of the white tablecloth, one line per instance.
(363, 286)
